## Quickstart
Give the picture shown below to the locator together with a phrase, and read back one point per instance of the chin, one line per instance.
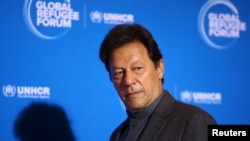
(134, 108)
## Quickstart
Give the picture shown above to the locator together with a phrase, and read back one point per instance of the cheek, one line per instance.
(118, 87)
(149, 80)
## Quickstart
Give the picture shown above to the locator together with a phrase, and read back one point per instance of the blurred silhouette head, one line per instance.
(43, 122)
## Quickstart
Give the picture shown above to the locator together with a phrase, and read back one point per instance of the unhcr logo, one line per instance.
(26, 91)
(201, 97)
(111, 18)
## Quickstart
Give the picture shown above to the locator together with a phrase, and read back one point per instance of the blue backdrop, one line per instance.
(49, 53)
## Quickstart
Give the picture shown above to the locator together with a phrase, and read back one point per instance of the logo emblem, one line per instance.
(186, 96)
(96, 16)
(9, 91)
(49, 19)
(219, 23)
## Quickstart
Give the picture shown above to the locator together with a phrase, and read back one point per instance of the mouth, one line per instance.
(132, 94)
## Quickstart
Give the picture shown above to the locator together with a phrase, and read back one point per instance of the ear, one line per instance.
(160, 68)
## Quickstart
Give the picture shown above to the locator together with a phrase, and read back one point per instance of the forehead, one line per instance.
(129, 53)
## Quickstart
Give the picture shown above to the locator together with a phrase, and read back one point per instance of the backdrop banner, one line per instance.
(49, 61)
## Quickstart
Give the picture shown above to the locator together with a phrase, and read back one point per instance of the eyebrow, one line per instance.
(134, 63)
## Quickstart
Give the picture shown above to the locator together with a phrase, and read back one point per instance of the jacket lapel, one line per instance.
(153, 129)
(159, 119)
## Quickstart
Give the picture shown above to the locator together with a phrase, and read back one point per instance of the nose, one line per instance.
(129, 78)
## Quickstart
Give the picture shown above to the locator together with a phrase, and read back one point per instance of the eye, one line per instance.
(118, 73)
(137, 69)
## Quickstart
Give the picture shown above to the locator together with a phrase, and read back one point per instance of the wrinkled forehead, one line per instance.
(132, 53)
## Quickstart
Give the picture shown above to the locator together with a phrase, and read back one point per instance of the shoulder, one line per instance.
(192, 113)
(183, 111)
(119, 130)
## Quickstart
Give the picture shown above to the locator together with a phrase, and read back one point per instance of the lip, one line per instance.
(132, 94)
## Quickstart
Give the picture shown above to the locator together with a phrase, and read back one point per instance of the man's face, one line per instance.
(135, 77)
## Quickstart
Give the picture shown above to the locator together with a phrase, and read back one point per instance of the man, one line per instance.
(136, 67)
